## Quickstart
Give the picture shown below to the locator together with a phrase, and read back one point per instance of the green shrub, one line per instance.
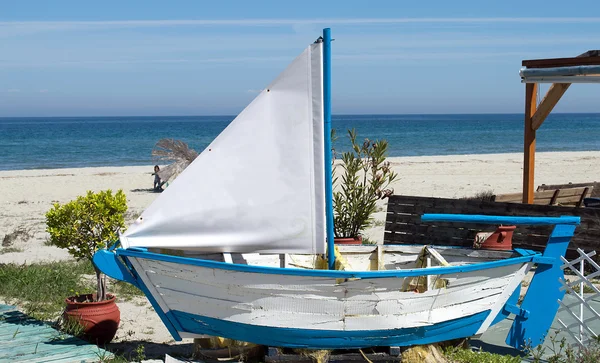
(84, 225)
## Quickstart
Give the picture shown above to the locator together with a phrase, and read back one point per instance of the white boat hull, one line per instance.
(289, 310)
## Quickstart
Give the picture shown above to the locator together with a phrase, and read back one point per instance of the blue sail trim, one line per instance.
(328, 273)
(331, 339)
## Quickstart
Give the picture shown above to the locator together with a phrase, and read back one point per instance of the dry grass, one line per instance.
(21, 232)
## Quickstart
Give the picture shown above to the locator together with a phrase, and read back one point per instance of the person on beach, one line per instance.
(158, 183)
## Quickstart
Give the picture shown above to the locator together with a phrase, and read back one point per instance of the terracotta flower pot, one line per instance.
(100, 320)
(348, 241)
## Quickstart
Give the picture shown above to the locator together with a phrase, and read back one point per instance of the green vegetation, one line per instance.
(365, 180)
(40, 289)
(558, 351)
(561, 352)
(84, 225)
(586, 289)
(461, 355)
(70, 327)
(140, 353)
(367, 241)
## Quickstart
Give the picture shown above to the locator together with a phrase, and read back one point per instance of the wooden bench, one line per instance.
(595, 193)
(404, 226)
(560, 196)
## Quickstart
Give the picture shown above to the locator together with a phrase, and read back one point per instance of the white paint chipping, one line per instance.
(306, 302)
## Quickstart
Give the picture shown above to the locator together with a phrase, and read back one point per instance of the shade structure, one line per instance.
(259, 186)
(568, 74)
(561, 72)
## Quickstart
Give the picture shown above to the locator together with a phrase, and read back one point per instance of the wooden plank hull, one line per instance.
(324, 312)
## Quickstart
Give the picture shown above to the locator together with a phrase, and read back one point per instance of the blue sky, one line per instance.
(76, 58)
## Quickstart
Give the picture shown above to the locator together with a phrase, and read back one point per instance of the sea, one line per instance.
(72, 142)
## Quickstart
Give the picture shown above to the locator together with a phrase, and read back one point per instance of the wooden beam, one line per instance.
(529, 144)
(561, 62)
(556, 91)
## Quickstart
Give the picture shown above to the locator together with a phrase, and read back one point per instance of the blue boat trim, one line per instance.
(331, 339)
(326, 273)
(543, 294)
(506, 220)
(114, 245)
(505, 312)
(543, 260)
(524, 252)
(514, 309)
(111, 265)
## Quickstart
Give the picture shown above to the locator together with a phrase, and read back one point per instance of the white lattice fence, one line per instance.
(580, 310)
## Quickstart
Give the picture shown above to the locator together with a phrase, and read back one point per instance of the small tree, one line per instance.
(84, 225)
(365, 179)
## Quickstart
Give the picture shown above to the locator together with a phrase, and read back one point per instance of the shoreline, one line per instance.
(390, 158)
(423, 157)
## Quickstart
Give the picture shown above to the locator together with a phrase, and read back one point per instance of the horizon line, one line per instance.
(333, 114)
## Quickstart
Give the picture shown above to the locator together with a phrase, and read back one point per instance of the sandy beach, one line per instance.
(28, 194)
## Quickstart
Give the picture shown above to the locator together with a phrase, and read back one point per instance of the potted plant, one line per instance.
(82, 226)
(365, 179)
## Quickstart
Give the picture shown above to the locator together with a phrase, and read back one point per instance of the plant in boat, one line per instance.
(365, 179)
(82, 227)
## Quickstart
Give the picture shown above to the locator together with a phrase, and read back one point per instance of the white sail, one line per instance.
(259, 186)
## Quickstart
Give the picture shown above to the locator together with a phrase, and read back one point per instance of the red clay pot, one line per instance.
(501, 239)
(100, 319)
(348, 241)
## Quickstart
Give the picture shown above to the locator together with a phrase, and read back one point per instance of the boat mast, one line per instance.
(328, 157)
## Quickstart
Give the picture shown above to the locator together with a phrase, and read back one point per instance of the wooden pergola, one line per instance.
(561, 73)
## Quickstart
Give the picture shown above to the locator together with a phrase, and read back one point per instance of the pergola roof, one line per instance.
(561, 72)
(584, 68)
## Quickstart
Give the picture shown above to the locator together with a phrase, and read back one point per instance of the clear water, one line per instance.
(61, 142)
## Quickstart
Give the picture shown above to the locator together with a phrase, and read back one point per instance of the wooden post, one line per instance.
(529, 145)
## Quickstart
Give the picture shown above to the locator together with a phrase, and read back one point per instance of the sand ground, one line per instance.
(28, 194)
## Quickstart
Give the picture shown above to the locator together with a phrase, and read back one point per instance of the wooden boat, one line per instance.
(233, 247)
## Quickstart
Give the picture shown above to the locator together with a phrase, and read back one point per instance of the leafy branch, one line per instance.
(365, 179)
